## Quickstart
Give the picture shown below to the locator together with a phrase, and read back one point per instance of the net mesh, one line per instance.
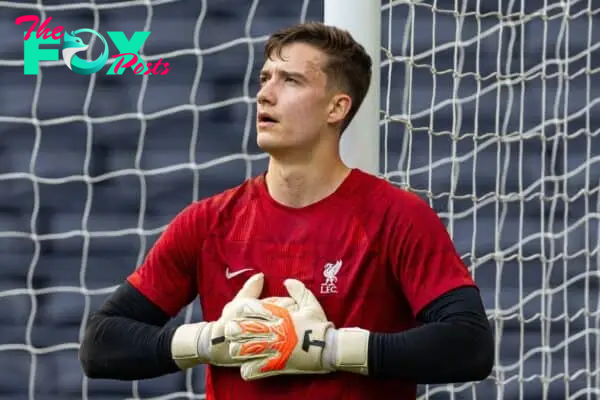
(92, 168)
(494, 107)
(489, 110)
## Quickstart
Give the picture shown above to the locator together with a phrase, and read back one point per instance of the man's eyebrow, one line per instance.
(285, 74)
(291, 74)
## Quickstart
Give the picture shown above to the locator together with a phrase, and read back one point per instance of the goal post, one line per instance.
(360, 141)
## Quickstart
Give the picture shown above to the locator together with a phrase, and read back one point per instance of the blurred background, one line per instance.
(489, 110)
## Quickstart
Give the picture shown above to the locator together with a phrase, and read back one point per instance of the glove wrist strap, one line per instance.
(190, 345)
(352, 353)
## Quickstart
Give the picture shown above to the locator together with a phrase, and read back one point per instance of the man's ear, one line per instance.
(339, 107)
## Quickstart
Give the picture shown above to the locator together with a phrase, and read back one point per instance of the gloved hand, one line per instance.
(204, 342)
(274, 340)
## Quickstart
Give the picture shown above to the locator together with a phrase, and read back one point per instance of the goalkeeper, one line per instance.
(366, 291)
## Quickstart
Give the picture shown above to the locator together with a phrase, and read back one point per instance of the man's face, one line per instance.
(293, 101)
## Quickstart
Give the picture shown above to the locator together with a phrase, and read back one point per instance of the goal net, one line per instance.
(491, 113)
(489, 109)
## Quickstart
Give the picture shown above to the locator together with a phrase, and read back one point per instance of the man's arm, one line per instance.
(454, 343)
(126, 339)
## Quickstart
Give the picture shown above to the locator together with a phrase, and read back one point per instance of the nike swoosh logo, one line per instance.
(229, 274)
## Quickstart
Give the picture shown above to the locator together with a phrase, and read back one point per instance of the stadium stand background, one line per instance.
(125, 201)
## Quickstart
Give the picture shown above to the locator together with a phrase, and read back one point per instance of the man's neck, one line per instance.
(299, 185)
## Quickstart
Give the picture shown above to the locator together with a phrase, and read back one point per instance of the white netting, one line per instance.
(490, 109)
(92, 168)
(495, 107)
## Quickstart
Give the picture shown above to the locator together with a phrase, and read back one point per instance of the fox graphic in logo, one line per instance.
(72, 45)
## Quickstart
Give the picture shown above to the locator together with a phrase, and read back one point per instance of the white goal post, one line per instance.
(360, 142)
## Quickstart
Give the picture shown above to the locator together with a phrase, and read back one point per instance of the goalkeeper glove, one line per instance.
(204, 342)
(273, 340)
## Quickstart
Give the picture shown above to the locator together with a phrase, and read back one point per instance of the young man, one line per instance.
(371, 294)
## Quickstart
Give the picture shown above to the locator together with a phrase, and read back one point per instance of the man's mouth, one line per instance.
(266, 118)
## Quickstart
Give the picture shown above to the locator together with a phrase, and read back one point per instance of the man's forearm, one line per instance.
(455, 344)
(118, 345)
(441, 352)
(124, 349)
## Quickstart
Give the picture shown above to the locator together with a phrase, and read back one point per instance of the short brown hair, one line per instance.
(348, 67)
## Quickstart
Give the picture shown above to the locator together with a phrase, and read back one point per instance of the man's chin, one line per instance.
(270, 147)
(269, 142)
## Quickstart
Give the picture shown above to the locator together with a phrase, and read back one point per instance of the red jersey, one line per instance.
(373, 254)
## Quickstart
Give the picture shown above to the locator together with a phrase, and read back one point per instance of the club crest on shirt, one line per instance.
(330, 271)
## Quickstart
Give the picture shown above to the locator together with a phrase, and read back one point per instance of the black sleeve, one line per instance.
(127, 339)
(453, 344)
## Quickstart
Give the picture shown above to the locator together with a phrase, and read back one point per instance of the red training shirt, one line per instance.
(373, 254)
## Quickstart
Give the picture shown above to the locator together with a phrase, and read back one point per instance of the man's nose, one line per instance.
(266, 95)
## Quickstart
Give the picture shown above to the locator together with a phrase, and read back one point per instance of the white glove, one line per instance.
(275, 340)
(204, 342)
